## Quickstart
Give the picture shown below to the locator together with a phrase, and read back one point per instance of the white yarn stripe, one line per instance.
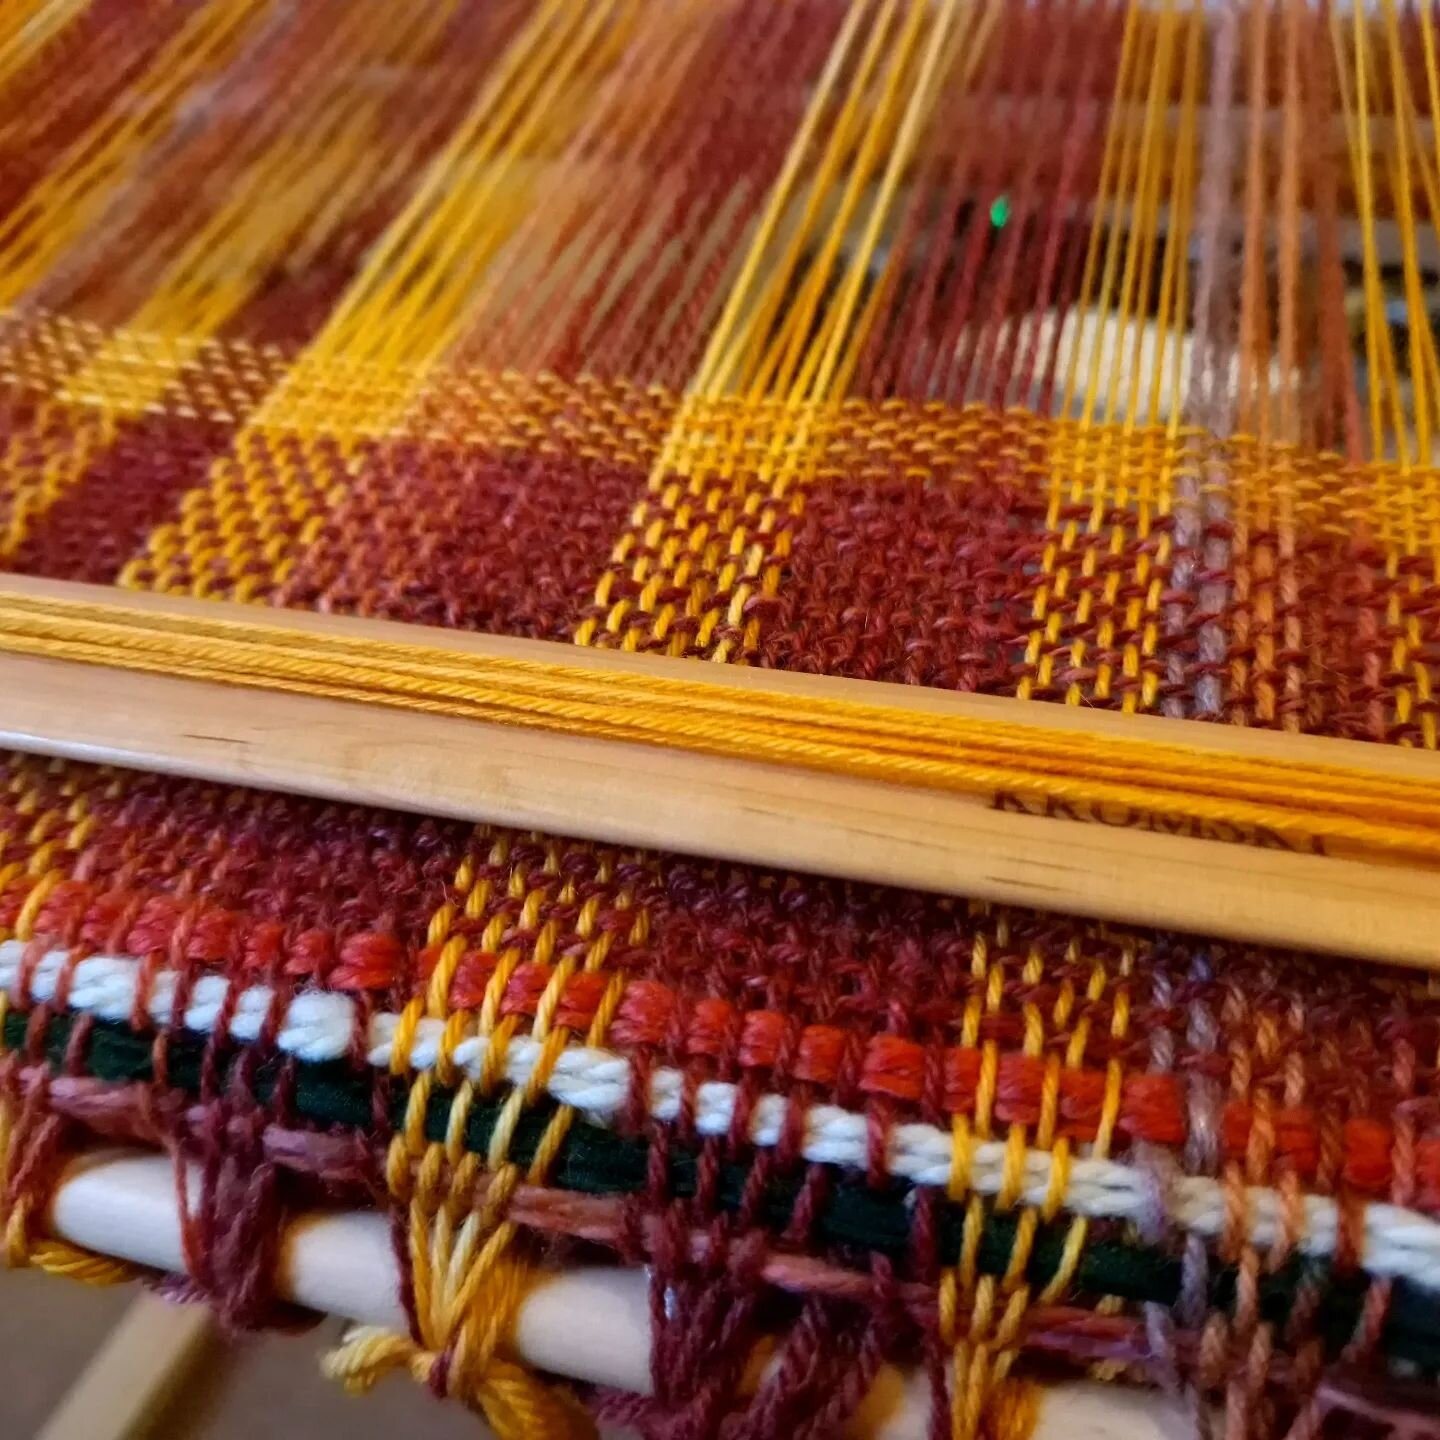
(318, 1025)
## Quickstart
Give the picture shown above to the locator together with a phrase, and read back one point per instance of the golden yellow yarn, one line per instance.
(1346, 803)
(468, 1270)
(517, 1404)
(1013, 1410)
(55, 1257)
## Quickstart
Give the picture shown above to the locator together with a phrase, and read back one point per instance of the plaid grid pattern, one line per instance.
(445, 314)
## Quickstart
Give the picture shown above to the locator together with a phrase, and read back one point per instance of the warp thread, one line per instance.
(861, 339)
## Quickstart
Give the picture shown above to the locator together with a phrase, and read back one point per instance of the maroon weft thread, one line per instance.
(829, 1356)
(231, 1229)
(129, 487)
(829, 1361)
(868, 961)
(347, 1167)
(40, 1137)
(320, 887)
(897, 621)
(702, 1303)
(398, 546)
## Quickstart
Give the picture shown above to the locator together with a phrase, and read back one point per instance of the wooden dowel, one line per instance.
(589, 1324)
(134, 1375)
(733, 808)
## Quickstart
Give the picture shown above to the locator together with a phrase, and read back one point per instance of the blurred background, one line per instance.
(263, 1384)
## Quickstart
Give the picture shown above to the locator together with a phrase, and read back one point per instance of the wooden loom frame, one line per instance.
(1385, 909)
(124, 1204)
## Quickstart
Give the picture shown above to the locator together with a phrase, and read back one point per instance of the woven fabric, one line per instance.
(1074, 351)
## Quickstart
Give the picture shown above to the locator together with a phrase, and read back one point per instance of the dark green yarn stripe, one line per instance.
(855, 1215)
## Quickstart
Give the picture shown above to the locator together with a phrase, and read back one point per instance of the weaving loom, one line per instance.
(399, 400)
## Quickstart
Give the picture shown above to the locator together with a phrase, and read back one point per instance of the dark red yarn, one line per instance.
(133, 485)
(899, 552)
(910, 560)
(471, 541)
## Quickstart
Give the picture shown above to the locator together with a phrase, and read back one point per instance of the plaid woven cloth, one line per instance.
(1074, 350)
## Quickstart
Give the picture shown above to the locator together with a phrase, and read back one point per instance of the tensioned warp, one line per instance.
(1079, 350)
